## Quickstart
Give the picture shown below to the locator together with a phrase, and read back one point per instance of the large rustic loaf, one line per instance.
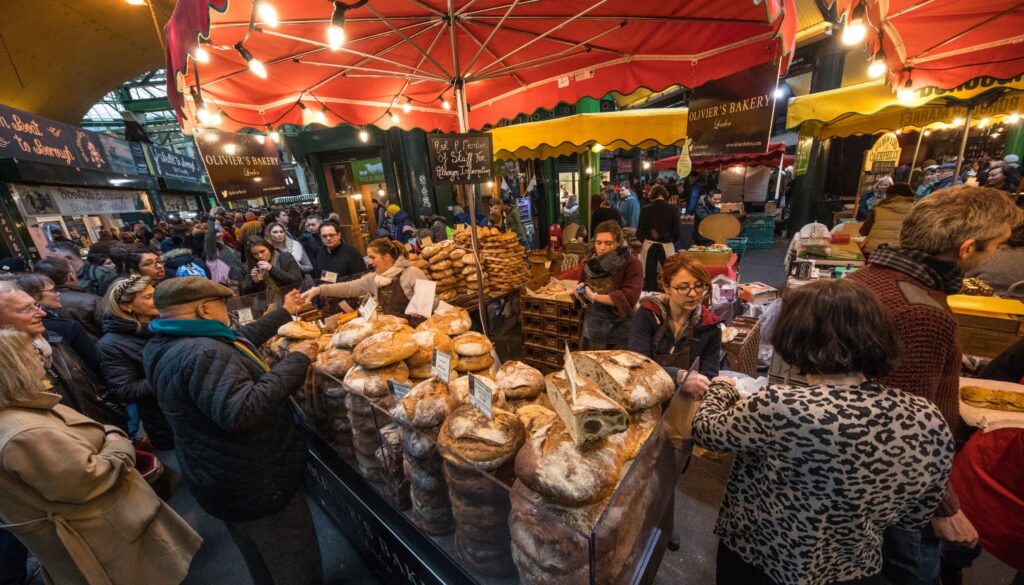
(474, 363)
(520, 381)
(425, 406)
(633, 380)
(350, 334)
(385, 348)
(428, 340)
(589, 416)
(472, 344)
(452, 322)
(459, 389)
(641, 425)
(299, 330)
(373, 383)
(482, 443)
(389, 456)
(334, 362)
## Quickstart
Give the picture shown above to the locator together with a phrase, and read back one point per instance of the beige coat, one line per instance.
(74, 498)
(889, 214)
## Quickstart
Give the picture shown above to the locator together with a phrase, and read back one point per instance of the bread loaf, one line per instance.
(425, 406)
(992, 398)
(482, 443)
(591, 415)
(385, 348)
(374, 383)
(428, 340)
(534, 417)
(452, 322)
(472, 344)
(334, 362)
(474, 364)
(519, 381)
(635, 381)
(641, 425)
(459, 389)
(299, 330)
(389, 456)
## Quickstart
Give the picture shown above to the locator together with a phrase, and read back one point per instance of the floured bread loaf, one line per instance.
(425, 406)
(428, 340)
(459, 389)
(519, 381)
(551, 464)
(299, 330)
(475, 364)
(334, 362)
(385, 348)
(350, 334)
(635, 381)
(471, 446)
(472, 344)
(452, 322)
(374, 383)
(275, 348)
(324, 342)
(534, 417)
(641, 425)
(389, 456)
(592, 415)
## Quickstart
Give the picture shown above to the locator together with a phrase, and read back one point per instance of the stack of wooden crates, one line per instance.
(548, 325)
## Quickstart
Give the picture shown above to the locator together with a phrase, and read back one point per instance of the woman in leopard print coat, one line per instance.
(822, 471)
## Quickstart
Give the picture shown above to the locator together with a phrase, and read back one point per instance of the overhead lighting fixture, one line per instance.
(261, 139)
(490, 184)
(203, 115)
(854, 32)
(201, 55)
(268, 14)
(321, 116)
(363, 135)
(336, 32)
(137, 2)
(394, 117)
(230, 148)
(598, 147)
(1014, 118)
(877, 68)
(647, 165)
(274, 134)
(407, 106)
(590, 170)
(958, 121)
(927, 132)
(380, 190)
(446, 104)
(984, 122)
(255, 65)
(899, 131)
(905, 94)
(216, 118)
(779, 93)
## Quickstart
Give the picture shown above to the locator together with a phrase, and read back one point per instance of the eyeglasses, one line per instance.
(328, 236)
(31, 309)
(684, 289)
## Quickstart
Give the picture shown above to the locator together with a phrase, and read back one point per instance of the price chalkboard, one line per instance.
(460, 159)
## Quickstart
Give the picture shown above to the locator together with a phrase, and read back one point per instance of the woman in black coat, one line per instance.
(269, 268)
(126, 320)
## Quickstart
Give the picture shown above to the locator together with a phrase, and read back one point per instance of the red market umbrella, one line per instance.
(940, 43)
(488, 60)
(776, 154)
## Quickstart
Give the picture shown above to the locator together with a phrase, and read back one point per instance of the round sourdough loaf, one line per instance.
(373, 383)
(472, 344)
(486, 444)
(299, 330)
(454, 321)
(385, 348)
(519, 381)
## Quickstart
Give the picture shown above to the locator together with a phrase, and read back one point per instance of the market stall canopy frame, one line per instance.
(581, 132)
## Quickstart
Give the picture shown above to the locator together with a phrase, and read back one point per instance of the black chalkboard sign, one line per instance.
(460, 159)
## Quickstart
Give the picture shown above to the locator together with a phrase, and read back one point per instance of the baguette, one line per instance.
(993, 399)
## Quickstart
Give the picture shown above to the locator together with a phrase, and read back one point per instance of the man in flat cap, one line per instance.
(234, 435)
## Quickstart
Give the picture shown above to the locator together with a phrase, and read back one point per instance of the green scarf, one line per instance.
(192, 328)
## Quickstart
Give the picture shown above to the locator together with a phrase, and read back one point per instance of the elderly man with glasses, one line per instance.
(336, 261)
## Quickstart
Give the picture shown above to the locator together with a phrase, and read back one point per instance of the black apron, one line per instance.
(679, 359)
(601, 324)
(393, 301)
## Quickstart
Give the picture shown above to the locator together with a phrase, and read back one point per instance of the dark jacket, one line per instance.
(402, 228)
(659, 221)
(1007, 366)
(81, 307)
(312, 245)
(120, 357)
(76, 337)
(603, 214)
(705, 208)
(284, 272)
(79, 387)
(235, 437)
(95, 279)
(344, 261)
(705, 338)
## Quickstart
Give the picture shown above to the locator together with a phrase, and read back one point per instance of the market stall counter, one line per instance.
(441, 467)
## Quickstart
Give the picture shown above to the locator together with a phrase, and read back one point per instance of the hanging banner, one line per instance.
(123, 155)
(733, 114)
(879, 162)
(369, 171)
(26, 136)
(623, 166)
(241, 166)
(164, 162)
(54, 200)
(460, 159)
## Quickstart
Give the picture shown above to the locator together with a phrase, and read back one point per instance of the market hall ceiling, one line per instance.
(59, 57)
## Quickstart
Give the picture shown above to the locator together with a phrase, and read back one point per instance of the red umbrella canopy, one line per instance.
(412, 57)
(771, 158)
(941, 43)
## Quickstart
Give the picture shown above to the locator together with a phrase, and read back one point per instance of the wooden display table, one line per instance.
(988, 325)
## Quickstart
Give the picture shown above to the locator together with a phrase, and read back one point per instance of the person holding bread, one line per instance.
(391, 282)
(677, 327)
(610, 280)
(821, 472)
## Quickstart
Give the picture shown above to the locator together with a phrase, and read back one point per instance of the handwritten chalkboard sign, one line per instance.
(460, 159)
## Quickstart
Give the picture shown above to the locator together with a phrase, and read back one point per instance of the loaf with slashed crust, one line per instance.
(588, 416)
(428, 340)
(452, 322)
(385, 348)
(633, 380)
(519, 381)
(472, 344)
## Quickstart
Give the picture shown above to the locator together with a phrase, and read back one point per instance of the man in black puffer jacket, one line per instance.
(234, 434)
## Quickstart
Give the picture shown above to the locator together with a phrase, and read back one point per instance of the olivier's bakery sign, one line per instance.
(733, 114)
(241, 166)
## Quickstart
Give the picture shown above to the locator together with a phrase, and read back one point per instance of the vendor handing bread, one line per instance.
(391, 282)
(675, 328)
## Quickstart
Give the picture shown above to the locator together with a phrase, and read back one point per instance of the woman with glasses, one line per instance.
(146, 264)
(677, 327)
(47, 298)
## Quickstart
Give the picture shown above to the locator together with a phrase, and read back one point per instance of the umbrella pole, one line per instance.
(462, 111)
(917, 149)
(963, 142)
(778, 178)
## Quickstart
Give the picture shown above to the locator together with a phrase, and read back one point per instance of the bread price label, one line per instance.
(368, 308)
(441, 365)
(570, 371)
(244, 316)
(480, 395)
(398, 390)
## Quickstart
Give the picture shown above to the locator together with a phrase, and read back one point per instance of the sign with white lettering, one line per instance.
(54, 200)
(241, 166)
(441, 365)
(167, 163)
(733, 114)
(460, 159)
(480, 394)
(26, 136)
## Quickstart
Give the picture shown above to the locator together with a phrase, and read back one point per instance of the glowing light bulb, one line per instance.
(321, 117)
(877, 68)
(137, 2)
(230, 148)
(258, 68)
(958, 121)
(647, 165)
(905, 95)
(202, 55)
(984, 122)
(204, 116)
(216, 119)
(597, 147)
(899, 131)
(394, 118)
(590, 170)
(927, 132)
(1014, 118)
(380, 192)
(268, 14)
(407, 107)
(335, 37)
(490, 184)
(364, 135)
(779, 93)
(446, 104)
(854, 32)
(275, 136)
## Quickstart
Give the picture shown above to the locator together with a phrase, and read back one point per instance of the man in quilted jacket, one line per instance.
(952, 231)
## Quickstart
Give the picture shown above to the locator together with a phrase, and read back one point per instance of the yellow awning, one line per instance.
(871, 108)
(573, 134)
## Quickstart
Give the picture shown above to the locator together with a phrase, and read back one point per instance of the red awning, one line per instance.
(942, 43)
(512, 56)
(776, 150)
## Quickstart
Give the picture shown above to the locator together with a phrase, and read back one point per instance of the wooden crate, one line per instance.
(742, 350)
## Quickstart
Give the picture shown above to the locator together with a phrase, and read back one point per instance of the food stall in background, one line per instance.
(184, 190)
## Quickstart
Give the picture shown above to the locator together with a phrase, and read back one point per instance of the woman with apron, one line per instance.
(677, 327)
(610, 284)
(391, 282)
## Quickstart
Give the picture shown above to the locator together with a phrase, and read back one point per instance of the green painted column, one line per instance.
(1015, 140)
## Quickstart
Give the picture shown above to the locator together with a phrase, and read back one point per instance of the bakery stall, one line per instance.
(443, 465)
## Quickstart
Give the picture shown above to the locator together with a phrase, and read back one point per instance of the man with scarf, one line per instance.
(234, 433)
(952, 231)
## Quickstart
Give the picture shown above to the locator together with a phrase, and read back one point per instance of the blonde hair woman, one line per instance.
(69, 490)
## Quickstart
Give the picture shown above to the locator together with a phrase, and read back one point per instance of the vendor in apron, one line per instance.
(610, 283)
(391, 282)
(677, 327)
